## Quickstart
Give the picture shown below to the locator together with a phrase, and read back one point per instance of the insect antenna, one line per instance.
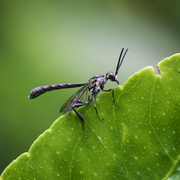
(120, 60)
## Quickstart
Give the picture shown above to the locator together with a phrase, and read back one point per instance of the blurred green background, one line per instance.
(50, 42)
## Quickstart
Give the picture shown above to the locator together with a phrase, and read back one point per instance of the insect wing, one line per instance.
(67, 106)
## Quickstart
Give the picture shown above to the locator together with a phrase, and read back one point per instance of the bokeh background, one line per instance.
(50, 42)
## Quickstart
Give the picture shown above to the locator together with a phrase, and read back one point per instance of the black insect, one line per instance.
(94, 85)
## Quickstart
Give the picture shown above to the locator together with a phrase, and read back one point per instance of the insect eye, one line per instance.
(111, 76)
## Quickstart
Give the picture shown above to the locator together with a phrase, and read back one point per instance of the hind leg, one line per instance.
(79, 103)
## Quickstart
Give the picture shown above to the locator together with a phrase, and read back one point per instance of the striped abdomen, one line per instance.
(42, 89)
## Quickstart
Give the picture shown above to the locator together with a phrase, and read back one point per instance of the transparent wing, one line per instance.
(81, 94)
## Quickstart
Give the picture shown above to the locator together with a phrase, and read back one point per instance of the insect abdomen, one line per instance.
(42, 89)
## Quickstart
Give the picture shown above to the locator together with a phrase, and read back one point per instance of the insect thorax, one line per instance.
(96, 83)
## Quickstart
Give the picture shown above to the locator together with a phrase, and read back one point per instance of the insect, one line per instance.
(94, 85)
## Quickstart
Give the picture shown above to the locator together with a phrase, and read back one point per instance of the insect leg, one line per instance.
(112, 94)
(78, 103)
(80, 117)
(96, 108)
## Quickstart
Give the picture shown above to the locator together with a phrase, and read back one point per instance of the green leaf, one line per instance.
(138, 140)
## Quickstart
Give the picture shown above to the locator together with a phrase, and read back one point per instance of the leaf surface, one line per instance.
(138, 140)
